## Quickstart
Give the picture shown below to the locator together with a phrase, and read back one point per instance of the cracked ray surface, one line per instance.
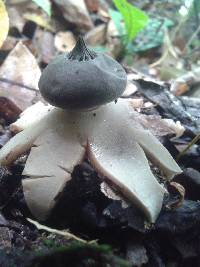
(129, 170)
(54, 155)
(115, 144)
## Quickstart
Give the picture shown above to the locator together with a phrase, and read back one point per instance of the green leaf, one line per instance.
(45, 5)
(135, 19)
(150, 37)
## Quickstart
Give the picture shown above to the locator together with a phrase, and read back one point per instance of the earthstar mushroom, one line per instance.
(60, 138)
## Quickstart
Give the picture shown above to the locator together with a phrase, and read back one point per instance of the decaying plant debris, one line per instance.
(92, 211)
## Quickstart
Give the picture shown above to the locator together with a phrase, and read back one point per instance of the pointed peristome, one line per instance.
(81, 52)
(82, 79)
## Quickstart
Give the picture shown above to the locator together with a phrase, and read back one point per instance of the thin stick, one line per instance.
(59, 232)
(191, 39)
(4, 80)
(194, 140)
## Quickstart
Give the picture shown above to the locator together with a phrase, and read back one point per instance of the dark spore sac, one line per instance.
(82, 79)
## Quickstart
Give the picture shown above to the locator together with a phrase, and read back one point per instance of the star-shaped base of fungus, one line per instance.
(114, 142)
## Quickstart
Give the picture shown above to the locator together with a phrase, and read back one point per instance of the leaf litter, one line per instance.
(85, 209)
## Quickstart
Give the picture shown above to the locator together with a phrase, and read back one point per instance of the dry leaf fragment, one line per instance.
(19, 72)
(178, 191)
(76, 12)
(9, 43)
(92, 5)
(109, 192)
(40, 20)
(43, 42)
(64, 41)
(182, 84)
(16, 19)
(159, 126)
(96, 36)
(8, 110)
(4, 23)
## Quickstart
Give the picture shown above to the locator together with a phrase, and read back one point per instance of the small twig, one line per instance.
(168, 49)
(4, 80)
(194, 140)
(191, 39)
(160, 60)
(181, 24)
(59, 232)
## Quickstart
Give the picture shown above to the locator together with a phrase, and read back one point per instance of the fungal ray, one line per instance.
(58, 142)
(52, 159)
(123, 162)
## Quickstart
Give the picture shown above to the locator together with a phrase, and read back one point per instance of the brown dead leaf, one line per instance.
(159, 126)
(183, 83)
(178, 191)
(112, 194)
(96, 36)
(8, 110)
(4, 23)
(43, 43)
(64, 41)
(180, 88)
(19, 76)
(9, 43)
(76, 12)
(92, 5)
